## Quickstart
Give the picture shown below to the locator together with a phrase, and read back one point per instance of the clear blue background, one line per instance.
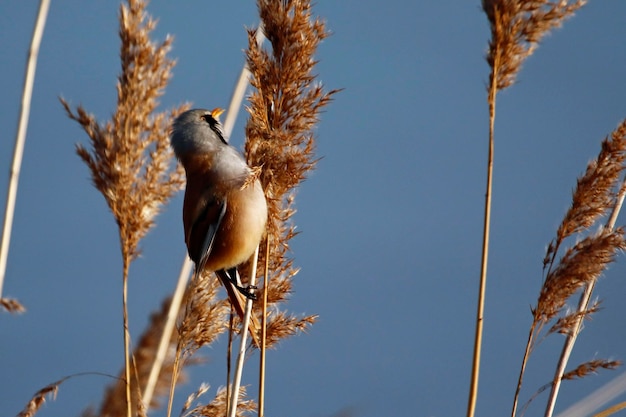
(391, 220)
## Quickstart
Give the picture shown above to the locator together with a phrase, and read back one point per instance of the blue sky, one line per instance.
(390, 221)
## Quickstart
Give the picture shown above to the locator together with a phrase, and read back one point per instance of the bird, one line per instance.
(224, 208)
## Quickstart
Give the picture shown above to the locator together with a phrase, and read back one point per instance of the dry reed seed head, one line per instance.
(517, 26)
(39, 398)
(595, 190)
(193, 397)
(129, 156)
(566, 324)
(590, 367)
(582, 264)
(12, 305)
(550, 252)
(281, 325)
(205, 315)
(284, 109)
(285, 105)
(218, 406)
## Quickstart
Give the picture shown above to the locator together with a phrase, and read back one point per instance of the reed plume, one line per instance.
(219, 405)
(517, 27)
(591, 367)
(284, 109)
(129, 156)
(39, 398)
(581, 371)
(12, 305)
(597, 192)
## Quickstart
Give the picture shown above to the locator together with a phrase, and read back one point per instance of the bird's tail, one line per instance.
(238, 301)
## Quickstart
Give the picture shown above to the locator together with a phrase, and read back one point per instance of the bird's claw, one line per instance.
(248, 291)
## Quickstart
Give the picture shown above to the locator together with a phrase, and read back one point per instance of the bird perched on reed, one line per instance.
(224, 209)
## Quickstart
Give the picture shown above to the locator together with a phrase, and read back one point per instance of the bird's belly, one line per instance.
(241, 229)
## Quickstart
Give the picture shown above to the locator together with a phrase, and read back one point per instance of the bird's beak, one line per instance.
(215, 113)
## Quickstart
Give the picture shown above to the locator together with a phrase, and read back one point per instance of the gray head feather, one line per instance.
(196, 131)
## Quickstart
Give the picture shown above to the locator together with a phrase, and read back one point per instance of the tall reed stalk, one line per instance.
(129, 156)
(10, 304)
(516, 26)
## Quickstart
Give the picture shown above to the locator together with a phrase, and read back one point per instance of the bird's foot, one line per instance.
(248, 291)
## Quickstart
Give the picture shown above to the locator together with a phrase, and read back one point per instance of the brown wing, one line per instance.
(202, 214)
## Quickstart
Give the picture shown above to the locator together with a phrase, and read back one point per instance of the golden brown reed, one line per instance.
(580, 372)
(283, 325)
(12, 305)
(594, 195)
(218, 406)
(129, 157)
(202, 389)
(567, 323)
(517, 27)
(205, 316)
(284, 109)
(583, 263)
(40, 398)
(590, 367)
(595, 192)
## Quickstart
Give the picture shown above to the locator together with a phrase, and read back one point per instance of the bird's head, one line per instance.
(197, 131)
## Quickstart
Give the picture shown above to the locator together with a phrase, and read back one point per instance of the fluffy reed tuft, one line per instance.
(284, 109)
(517, 27)
(219, 405)
(567, 323)
(205, 316)
(590, 367)
(583, 263)
(129, 157)
(581, 371)
(202, 389)
(40, 398)
(594, 194)
(12, 305)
